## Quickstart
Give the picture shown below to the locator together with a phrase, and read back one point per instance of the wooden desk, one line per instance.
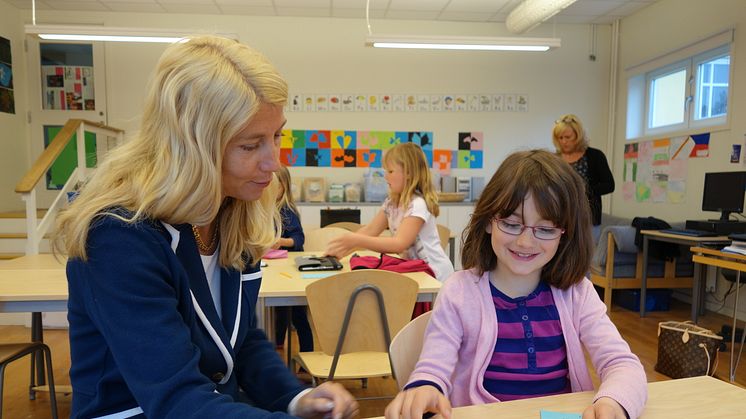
(697, 397)
(34, 284)
(284, 285)
(720, 259)
(648, 235)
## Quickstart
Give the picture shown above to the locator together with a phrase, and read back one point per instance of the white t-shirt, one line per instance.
(427, 244)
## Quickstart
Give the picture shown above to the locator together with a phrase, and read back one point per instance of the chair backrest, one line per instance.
(406, 347)
(445, 234)
(347, 225)
(317, 240)
(328, 300)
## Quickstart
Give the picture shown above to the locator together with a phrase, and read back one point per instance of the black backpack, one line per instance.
(656, 249)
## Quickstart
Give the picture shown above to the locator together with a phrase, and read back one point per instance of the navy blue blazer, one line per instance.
(147, 341)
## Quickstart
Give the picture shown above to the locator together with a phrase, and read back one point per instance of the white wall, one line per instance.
(13, 131)
(319, 55)
(660, 28)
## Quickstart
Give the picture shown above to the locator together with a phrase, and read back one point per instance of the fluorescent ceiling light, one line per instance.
(474, 43)
(531, 13)
(103, 33)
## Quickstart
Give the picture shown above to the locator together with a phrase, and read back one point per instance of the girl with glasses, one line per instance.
(514, 324)
(571, 143)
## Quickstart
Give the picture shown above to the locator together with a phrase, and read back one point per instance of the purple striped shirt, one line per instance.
(530, 359)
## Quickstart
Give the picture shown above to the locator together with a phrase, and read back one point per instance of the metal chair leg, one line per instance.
(50, 379)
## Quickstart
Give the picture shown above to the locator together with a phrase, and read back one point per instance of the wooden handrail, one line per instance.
(50, 154)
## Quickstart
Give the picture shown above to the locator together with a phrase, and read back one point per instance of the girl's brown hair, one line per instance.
(559, 194)
(419, 181)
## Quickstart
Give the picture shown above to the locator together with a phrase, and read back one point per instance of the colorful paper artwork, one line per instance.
(655, 171)
(7, 97)
(387, 102)
(345, 148)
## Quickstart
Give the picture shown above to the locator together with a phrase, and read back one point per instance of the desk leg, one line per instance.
(37, 361)
(452, 250)
(696, 290)
(732, 369)
(644, 284)
(289, 335)
(261, 316)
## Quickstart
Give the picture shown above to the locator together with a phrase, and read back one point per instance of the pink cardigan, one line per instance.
(461, 335)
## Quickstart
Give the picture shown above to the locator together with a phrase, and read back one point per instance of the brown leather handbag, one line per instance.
(686, 350)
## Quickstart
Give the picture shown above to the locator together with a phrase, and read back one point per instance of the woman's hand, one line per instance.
(412, 403)
(342, 246)
(605, 408)
(327, 400)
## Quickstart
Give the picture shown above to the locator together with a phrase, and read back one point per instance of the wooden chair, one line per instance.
(406, 347)
(316, 240)
(355, 314)
(347, 225)
(445, 235)
(10, 352)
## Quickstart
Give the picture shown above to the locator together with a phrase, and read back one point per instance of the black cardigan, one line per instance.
(600, 182)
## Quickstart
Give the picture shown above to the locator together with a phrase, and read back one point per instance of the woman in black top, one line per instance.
(571, 143)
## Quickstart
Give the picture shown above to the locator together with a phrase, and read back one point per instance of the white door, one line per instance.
(67, 80)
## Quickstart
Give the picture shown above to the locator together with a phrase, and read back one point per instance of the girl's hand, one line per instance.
(412, 403)
(327, 400)
(605, 408)
(341, 246)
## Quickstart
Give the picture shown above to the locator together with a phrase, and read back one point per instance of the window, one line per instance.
(681, 91)
(712, 88)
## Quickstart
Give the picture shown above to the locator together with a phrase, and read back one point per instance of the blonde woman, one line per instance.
(572, 145)
(161, 243)
(409, 212)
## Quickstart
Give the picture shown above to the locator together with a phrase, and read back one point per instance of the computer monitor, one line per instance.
(724, 192)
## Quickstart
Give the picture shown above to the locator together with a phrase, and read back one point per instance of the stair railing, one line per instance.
(36, 229)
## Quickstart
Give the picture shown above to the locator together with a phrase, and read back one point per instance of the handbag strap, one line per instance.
(707, 353)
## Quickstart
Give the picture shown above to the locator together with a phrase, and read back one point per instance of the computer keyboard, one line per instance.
(689, 232)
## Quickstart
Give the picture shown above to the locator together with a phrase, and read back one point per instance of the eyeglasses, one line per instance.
(540, 232)
(567, 120)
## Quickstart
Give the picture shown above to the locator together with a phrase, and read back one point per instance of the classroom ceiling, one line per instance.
(582, 11)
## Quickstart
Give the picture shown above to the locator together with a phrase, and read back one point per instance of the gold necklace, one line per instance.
(205, 248)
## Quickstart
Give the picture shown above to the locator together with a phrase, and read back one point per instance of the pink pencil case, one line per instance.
(275, 254)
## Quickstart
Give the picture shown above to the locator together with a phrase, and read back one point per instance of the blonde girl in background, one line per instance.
(409, 212)
(515, 324)
(291, 239)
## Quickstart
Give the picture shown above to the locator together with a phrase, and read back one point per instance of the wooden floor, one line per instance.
(640, 333)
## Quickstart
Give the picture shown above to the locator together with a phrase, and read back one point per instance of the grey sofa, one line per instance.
(617, 263)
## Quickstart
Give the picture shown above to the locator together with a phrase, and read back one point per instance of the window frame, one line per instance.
(649, 79)
(640, 79)
(696, 61)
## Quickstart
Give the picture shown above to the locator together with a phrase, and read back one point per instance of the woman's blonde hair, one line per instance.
(286, 199)
(417, 177)
(559, 194)
(203, 92)
(573, 122)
